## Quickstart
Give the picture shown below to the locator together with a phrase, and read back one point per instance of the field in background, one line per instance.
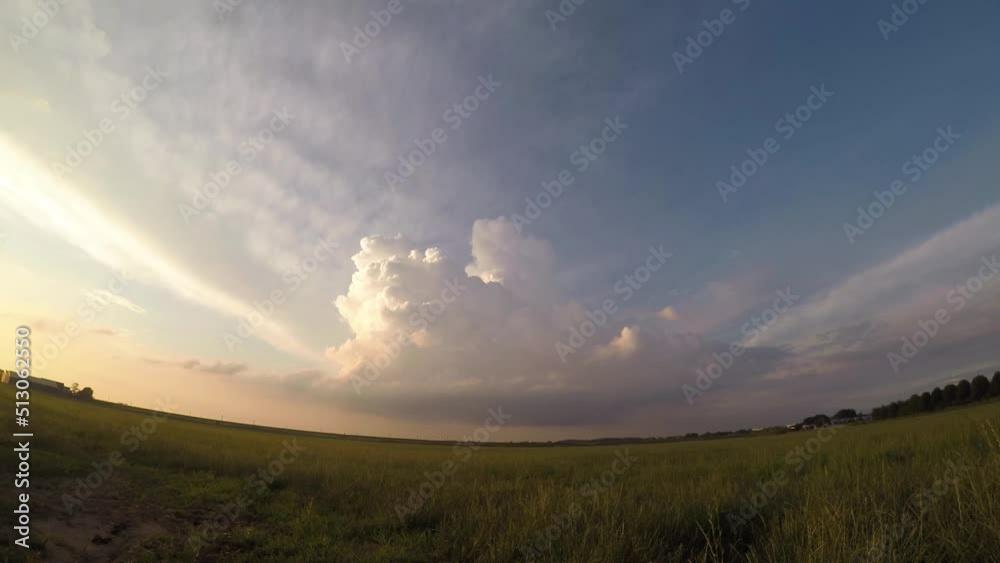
(917, 489)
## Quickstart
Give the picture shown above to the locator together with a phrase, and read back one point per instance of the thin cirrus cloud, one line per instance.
(901, 283)
(216, 368)
(106, 297)
(49, 204)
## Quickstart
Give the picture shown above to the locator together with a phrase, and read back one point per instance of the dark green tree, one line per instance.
(995, 385)
(937, 399)
(950, 394)
(925, 402)
(817, 420)
(964, 392)
(980, 388)
(845, 413)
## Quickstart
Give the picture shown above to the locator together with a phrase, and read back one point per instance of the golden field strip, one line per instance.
(111, 483)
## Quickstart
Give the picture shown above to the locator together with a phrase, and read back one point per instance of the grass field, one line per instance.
(917, 489)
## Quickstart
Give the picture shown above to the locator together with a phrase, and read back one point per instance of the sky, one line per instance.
(606, 219)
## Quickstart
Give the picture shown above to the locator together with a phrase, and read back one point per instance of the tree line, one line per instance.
(962, 393)
(86, 393)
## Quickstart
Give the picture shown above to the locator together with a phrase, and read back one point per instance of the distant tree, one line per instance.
(912, 405)
(894, 409)
(937, 399)
(980, 388)
(964, 392)
(817, 420)
(925, 402)
(74, 388)
(86, 393)
(845, 413)
(950, 394)
(995, 385)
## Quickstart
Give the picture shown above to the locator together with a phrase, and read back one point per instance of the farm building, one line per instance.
(49, 385)
(9, 377)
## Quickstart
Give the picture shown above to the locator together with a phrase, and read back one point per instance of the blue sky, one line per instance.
(219, 77)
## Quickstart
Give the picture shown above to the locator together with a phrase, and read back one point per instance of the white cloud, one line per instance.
(496, 341)
(522, 264)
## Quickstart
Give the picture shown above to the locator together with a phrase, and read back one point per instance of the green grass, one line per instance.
(336, 501)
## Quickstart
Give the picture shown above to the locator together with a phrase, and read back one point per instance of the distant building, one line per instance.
(9, 377)
(855, 419)
(48, 384)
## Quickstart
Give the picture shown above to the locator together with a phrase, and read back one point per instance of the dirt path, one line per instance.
(117, 523)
